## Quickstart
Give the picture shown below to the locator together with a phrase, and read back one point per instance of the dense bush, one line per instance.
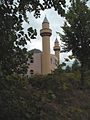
(44, 97)
(18, 100)
(63, 94)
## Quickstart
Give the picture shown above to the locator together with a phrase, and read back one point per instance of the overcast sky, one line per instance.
(55, 21)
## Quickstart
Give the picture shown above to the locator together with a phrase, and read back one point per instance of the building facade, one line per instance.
(44, 62)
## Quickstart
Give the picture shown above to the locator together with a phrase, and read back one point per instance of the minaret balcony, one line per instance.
(56, 48)
(45, 32)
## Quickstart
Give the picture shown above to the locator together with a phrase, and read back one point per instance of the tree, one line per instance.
(13, 54)
(18, 100)
(44, 97)
(12, 38)
(87, 64)
(68, 68)
(59, 96)
(75, 65)
(76, 29)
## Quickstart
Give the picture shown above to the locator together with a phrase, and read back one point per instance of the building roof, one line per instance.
(45, 20)
(35, 51)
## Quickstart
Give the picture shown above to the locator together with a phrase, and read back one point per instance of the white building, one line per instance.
(44, 62)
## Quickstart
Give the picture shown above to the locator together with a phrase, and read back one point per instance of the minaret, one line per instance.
(45, 32)
(57, 50)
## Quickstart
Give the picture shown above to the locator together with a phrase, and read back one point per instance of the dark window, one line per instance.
(51, 60)
(56, 62)
(31, 72)
(31, 60)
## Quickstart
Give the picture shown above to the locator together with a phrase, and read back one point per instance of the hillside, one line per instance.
(62, 97)
(56, 96)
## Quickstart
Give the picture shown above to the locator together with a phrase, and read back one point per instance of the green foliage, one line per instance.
(77, 33)
(87, 64)
(63, 64)
(59, 70)
(68, 69)
(18, 100)
(87, 78)
(58, 5)
(44, 97)
(61, 96)
(13, 54)
(71, 57)
(39, 97)
(76, 65)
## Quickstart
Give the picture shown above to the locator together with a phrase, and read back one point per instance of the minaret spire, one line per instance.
(45, 20)
(45, 33)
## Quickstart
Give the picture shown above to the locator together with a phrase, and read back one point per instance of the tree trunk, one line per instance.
(82, 73)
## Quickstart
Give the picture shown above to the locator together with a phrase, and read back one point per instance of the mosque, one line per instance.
(42, 62)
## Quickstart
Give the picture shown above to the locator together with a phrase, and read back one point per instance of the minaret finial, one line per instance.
(45, 19)
(56, 40)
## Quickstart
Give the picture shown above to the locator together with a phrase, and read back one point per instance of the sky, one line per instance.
(55, 23)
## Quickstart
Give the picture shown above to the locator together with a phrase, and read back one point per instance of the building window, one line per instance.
(31, 72)
(31, 60)
(56, 62)
(51, 60)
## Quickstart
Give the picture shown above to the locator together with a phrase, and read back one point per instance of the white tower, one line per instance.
(45, 32)
(57, 50)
